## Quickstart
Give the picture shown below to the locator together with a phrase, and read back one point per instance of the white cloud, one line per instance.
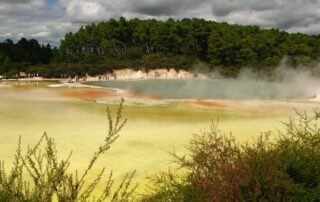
(41, 34)
(21, 34)
(6, 35)
(33, 19)
(85, 11)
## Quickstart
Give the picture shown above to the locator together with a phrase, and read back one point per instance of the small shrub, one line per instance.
(300, 152)
(217, 168)
(50, 178)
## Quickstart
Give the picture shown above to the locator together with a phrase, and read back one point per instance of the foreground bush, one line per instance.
(217, 168)
(39, 176)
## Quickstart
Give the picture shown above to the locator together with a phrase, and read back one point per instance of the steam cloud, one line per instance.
(286, 83)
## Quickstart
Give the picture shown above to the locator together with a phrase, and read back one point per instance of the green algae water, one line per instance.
(224, 89)
(80, 125)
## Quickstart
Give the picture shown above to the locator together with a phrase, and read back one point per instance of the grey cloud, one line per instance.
(287, 15)
(28, 9)
(164, 7)
(282, 14)
(225, 7)
(16, 1)
(49, 23)
(295, 14)
(78, 10)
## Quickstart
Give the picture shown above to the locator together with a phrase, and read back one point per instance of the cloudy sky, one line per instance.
(49, 20)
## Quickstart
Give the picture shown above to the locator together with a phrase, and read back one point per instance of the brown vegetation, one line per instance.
(217, 168)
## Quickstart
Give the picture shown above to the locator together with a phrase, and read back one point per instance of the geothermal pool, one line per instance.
(223, 89)
(76, 118)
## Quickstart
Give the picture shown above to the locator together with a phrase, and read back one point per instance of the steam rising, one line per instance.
(285, 83)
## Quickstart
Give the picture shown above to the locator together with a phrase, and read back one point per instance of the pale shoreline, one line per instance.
(125, 74)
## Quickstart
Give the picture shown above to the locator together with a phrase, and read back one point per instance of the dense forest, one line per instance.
(20, 56)
(147, 44)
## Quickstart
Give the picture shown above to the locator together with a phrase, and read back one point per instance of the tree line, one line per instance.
(147, 44)
(22, 55)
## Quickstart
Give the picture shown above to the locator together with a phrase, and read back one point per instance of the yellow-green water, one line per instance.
(151, 132)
